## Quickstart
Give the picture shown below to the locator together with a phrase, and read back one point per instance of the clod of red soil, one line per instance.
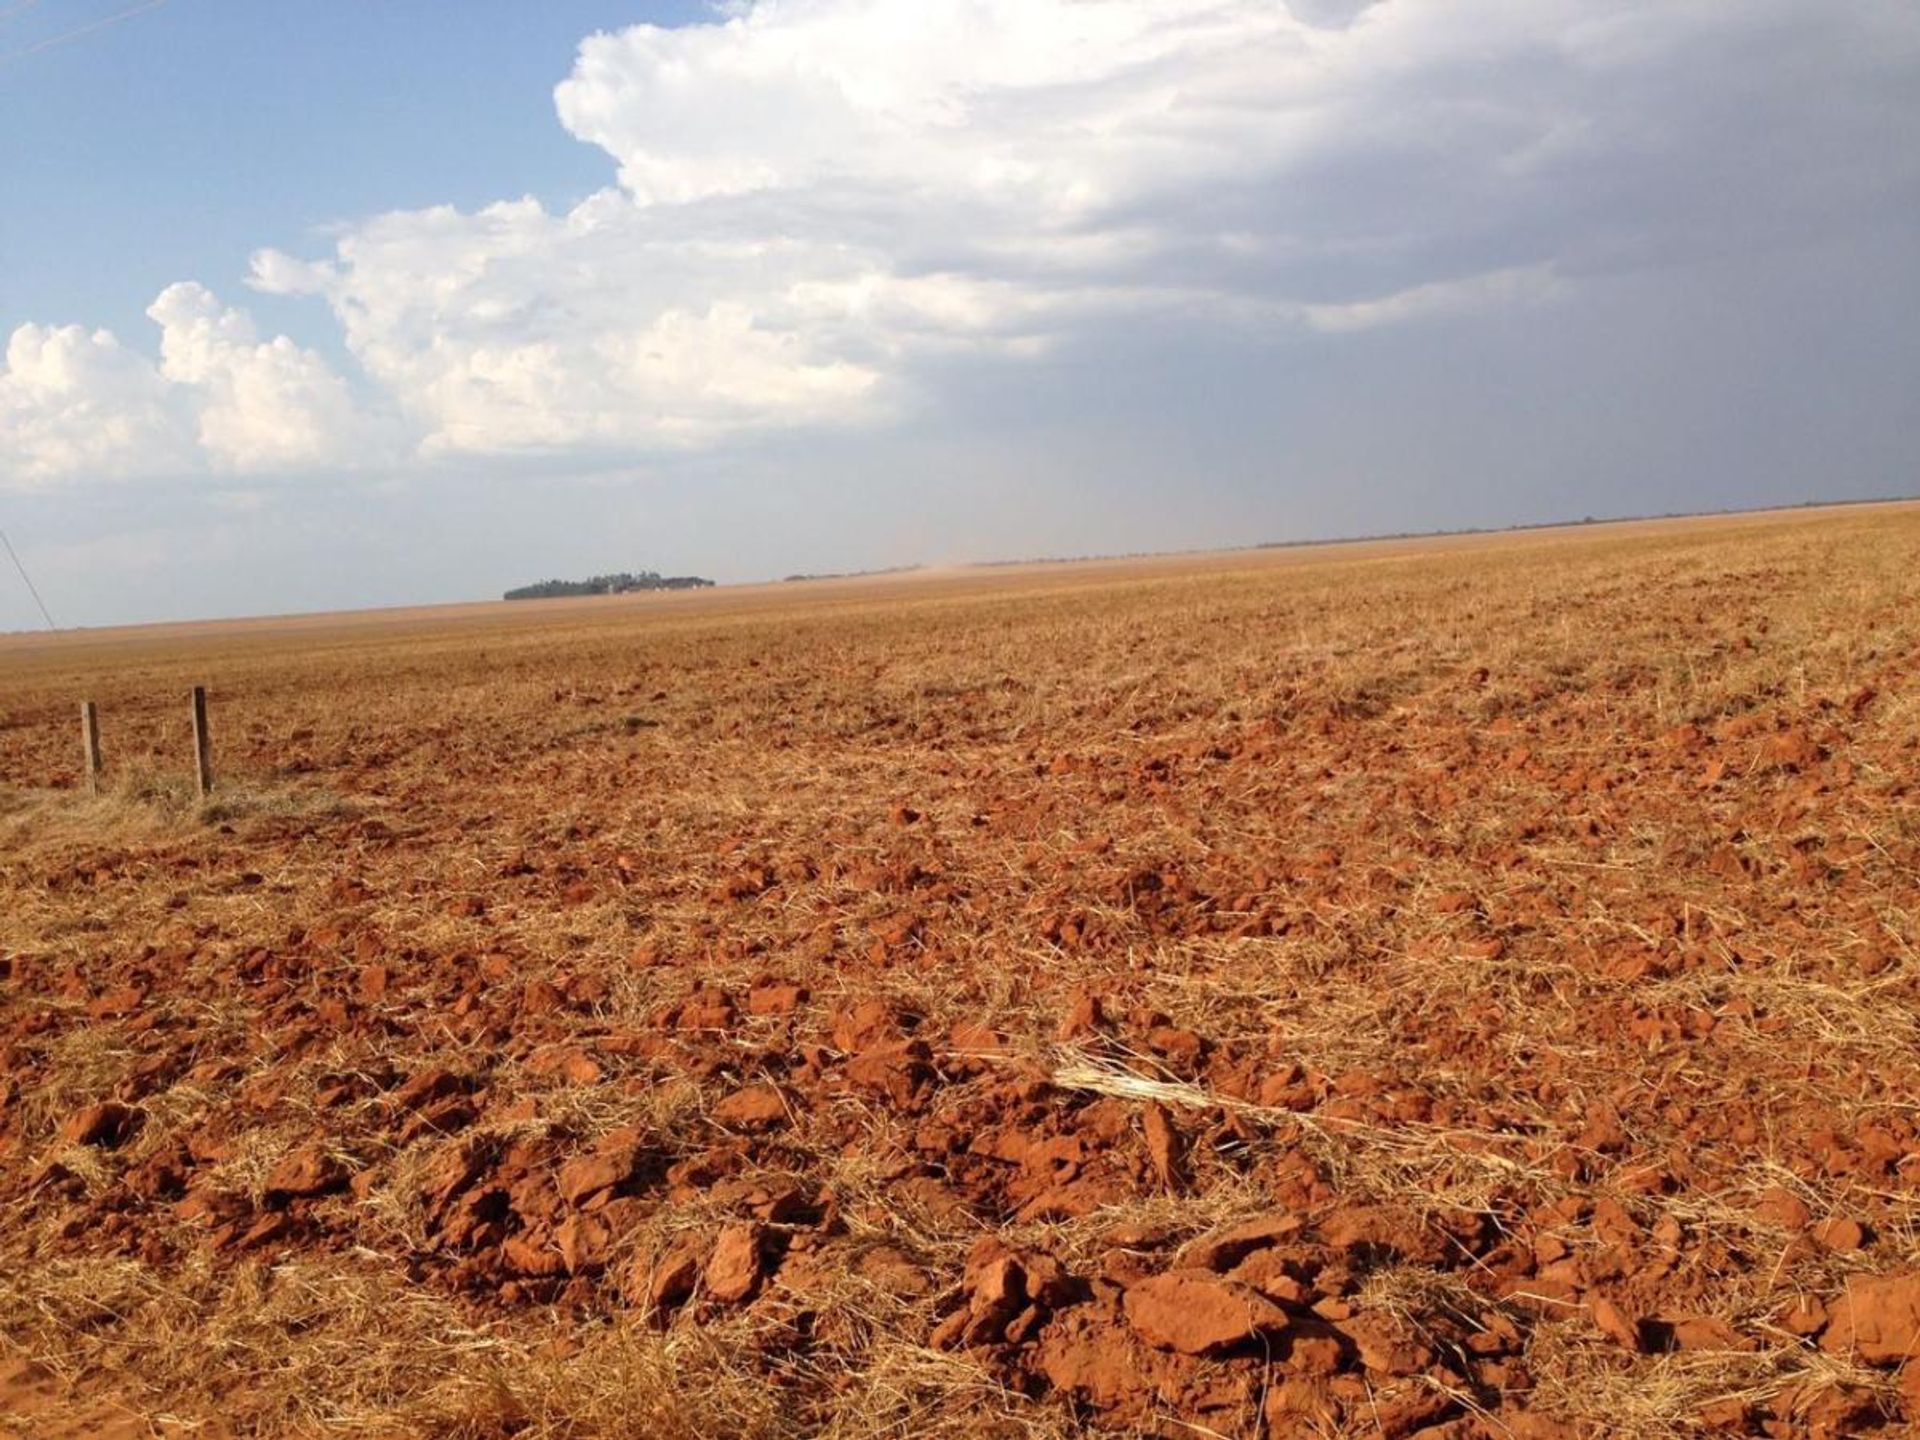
(1100, 1362)
(773, 999)
(1309, 1354)
(1683, 737)
(660, 1283)
(1806, 1316)
(1007, 1295)
(1604, 1132)
(1780, 1206)
(264, 1231)
(117, 1003)
(1877, 1319)
(1083, 1017)
(586, 1177)
(303, 1173)
(1831, 1411)
(1792, 750)
(757, 1107)
(1382, 1230)
(162, 1175)
(107, 1125)
(1617, 1325)
(1221, 1250)
(429, 1086)
(779, 1202)
(1198, 1313)
(865, 1025)
(1840, 1234)
(1729, 1415)
(568, 1063)
(1183, 1049)
(892, 1269)
(583, 1240)
(997, 1281)
(1388, 1344)
(1166, 1147)
(710, 1010)
(1278, 1275)
(899, 1072)
(734, 1270)
(534, 1256)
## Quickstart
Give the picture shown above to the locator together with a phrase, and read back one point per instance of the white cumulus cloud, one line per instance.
(816, 200)
(79, 405)
(258, 405)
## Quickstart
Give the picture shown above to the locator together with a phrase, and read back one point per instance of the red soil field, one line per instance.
(1442, 989)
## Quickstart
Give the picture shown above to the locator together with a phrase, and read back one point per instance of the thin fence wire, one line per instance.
(32, 589)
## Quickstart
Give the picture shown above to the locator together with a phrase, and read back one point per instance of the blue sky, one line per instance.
(181, 139)
(312, 305)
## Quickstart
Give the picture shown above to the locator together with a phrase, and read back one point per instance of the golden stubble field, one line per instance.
(1453, 989)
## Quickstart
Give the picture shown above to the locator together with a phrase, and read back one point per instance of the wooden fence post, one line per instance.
(202, 744)
(90, 744)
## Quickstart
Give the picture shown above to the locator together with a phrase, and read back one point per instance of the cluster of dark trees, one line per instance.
(621, 584)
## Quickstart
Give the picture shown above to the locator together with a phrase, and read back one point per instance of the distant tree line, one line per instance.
(848, 574)
(625, 583)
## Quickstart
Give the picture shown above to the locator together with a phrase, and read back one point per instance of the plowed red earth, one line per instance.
(1450, 990)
